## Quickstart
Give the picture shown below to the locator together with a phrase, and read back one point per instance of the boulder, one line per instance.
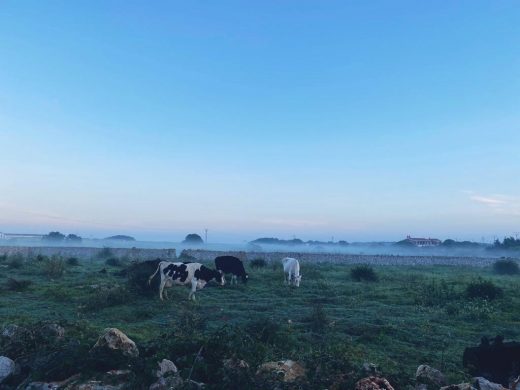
(168, 383)
(373, 383)
(460, 386)
(283, 370)
(166, 367)
(430, 376)
(7, 368)
(114, 339)
(481, 383)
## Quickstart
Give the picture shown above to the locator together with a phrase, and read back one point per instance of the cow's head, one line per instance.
(245, 277)
(297, 280)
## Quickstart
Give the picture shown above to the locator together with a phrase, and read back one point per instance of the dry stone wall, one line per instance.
(85, 253)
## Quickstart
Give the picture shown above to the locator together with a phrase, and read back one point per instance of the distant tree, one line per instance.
(342, 242)
(193, 239)
(74, 238)
(121, 237)
(507, 243)
(54, 237)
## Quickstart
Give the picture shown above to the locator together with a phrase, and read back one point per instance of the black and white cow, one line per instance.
(195, 274)
(231, 265)
(291, 270)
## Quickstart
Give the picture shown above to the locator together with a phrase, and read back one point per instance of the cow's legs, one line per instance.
(165, 293)
(194, 282)
(161, 288)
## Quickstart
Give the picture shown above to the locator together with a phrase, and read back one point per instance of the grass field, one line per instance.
(410, 316)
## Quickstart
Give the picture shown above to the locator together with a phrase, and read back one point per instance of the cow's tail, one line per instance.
(157, 270)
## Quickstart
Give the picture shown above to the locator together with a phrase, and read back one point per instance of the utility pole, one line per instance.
(206, 235)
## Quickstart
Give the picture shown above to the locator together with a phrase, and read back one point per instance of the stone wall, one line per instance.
(85, 253)
(337, 258)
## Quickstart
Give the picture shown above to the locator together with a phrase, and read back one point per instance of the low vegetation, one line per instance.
(414, 315)
(506, 267)
(258, 263)
(363, 273)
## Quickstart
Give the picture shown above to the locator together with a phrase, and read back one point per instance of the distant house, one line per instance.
(421, 242)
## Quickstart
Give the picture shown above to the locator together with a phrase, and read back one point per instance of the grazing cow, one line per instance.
(291, 270)
(195, 274)
(231, 265)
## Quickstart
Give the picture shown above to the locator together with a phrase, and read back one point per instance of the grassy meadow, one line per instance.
(332, 323)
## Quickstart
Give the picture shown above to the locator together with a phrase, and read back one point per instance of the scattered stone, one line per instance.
(430, 376)
(166, 367)
(373, 383)
(94, 385)
(114, 339)
(283, 370)
(483, 384)
(460, 386)
(168, 383)
(42, 386)
(7, 368)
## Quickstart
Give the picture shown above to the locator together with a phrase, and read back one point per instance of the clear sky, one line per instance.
(362, 120)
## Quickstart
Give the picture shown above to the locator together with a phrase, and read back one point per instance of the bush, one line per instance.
(363, 273)
(483, 289)
(113, 261)
(41, 258)
(15, 261)
(103, 297)
(138, 275)
(506, 267)
(105, 253)
(72, 261)
(54, 267)
(184, 256)
(258, 263)
(318, 319)
(17, 285)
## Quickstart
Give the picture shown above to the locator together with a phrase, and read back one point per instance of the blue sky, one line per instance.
(353, 119)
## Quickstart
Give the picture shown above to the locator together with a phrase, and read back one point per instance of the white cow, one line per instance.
(291, 270)
(195, 274)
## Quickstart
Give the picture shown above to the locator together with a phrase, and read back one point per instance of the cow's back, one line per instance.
(228, 263)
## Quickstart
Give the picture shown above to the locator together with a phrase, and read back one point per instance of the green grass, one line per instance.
(412, 316)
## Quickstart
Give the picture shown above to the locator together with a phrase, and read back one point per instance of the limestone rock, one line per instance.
(284, 370)
(481, 383)
(42, 386)
(166, 367)
(114, 339)
(7, 368)
(430, 376)
(460, 386)
(373, 383)
(235, 364)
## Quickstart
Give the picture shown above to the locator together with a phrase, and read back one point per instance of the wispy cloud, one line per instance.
(502, 204)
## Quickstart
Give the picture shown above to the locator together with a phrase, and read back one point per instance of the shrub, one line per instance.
(103, 297)
(113, 261)
(105, 253)
(184, 256)
(483, 289)
(40, 258)
(318, 319)
(363, 273)
(506, 267)
(72, 261)
(258, 263)
(54, 267)
(15, 261)
(138, 275)
(17, 285)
